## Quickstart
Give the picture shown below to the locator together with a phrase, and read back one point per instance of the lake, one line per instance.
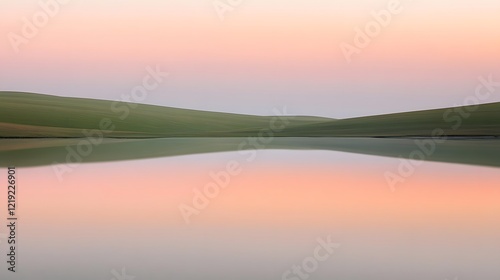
(218, 209)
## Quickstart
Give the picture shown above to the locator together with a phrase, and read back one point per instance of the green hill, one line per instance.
(28, 115)
(35, 115)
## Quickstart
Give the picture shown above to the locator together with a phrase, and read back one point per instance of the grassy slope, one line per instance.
(35, 115)
(485, 121)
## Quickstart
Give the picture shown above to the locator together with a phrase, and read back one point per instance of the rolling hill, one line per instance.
(30, 115)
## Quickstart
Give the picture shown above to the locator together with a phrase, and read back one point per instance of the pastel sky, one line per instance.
(264, 54)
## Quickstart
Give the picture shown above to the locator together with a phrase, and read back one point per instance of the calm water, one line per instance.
(93, 220)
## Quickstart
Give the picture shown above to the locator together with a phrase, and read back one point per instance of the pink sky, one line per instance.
(261, 55)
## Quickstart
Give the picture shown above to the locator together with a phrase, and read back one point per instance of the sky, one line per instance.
(256, 55)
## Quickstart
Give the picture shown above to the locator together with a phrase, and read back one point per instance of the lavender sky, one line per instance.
(256, 55)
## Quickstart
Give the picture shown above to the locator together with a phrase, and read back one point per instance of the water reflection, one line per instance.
(37, 152)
